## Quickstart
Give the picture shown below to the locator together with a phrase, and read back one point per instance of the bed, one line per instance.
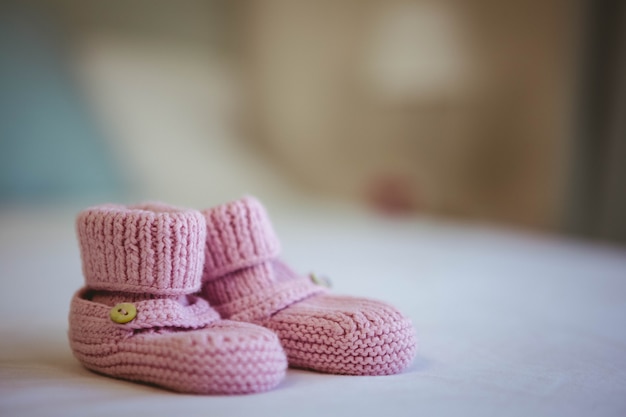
(509, 323)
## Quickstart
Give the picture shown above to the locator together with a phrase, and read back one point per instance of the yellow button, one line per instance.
(321, 281)
(123, 313)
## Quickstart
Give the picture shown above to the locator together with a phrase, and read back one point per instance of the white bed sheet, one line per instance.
(509, 324)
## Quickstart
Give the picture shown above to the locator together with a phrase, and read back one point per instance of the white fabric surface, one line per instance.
(509, 324)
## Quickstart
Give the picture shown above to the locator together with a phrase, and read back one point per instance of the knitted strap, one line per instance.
(262, 305)
(163, 312)
(166, 312)
(155, 249)
(239, 234)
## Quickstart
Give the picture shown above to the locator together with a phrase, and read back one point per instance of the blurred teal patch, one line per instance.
(49, 147)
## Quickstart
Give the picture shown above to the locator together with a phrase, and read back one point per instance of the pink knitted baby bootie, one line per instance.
(245, 281)
(137, 319)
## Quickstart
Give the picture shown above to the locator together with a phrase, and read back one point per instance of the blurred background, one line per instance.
(507, 112)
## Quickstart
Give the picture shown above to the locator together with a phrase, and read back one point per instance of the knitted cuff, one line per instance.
(239, 234)
(151, 248)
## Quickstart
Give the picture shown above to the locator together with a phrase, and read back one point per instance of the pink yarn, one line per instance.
(148, 248)
(244, 280)
(240, 235)
(151, 256)
(191, 312)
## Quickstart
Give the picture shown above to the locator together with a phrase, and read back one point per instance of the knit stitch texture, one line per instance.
(151, 256)
(244, 280)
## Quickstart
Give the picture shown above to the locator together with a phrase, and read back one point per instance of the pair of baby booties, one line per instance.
(199, 302)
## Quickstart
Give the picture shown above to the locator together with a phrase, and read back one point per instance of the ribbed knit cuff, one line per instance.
(151, 248)
(239, 234)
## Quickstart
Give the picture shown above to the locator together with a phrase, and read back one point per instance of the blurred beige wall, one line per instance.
(162, 80)
(453, 107)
